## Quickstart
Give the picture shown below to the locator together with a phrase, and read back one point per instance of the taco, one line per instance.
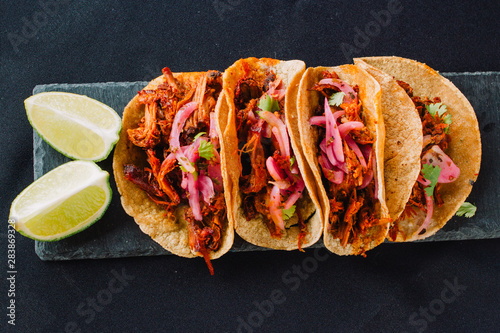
(270, 205)
(342, 137)
(167, 165)
(451, 149)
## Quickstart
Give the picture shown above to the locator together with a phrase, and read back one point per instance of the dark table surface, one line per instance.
(440, 286)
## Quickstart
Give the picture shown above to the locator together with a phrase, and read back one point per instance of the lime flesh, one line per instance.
(63, 202)
(75, 125)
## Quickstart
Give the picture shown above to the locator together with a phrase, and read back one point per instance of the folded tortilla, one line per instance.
(464, 148)
(307, 103)
(256, 230)
(171, 233)
(403, 140)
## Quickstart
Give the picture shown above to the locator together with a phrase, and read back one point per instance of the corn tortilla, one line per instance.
(256, 231)
(464, 148)
(171, 234)
(308, 100)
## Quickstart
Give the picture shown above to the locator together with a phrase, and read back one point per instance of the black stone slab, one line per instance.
(117, 235)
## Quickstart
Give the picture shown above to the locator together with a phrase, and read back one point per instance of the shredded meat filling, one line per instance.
(162, 178)
(352, 209)
(246, 90)
(434, 132)
(257, 179)
(147, 135)
(255, 147)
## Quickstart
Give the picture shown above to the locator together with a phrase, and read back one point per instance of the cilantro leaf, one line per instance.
(431, 173)
(206, 150)
(437, 110)
(288, 213)
(467, 209)
(198, 135)
(336, 99)
(447, 120)
(267, 103)
(292, 161)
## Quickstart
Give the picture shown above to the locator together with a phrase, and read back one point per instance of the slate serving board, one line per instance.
(117, 235)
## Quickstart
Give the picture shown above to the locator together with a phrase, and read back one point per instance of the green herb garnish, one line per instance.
(336, 99)
(267, 103)
(206, 150)
(467, 209)
(288, 213)
(198, 135)
(436, 108)
(440, 109)
(431, 173)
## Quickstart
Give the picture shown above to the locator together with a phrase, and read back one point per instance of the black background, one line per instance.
(98, 41)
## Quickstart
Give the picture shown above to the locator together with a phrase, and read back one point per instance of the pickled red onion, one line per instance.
(331, 173)
(297, 189)
(274, 208)
(366, 150)
(192, 152)
(281, 144)
(437, 157)
(274, 169)
(355, 148)
(215, 173)
(423, 181)
(180, 118)
(214, 137)
(328, 152)
(276, 89)
(280, 132)
(338, 114)
(318, 121)
(332, 133)
(251, 117)
(349, 126)
(266, 130)
(194, 194)
(368, 178)
(350, 94)
(430, 208)
(206, 187)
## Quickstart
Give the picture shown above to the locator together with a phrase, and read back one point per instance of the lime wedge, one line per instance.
(75, 125)
(63, 202)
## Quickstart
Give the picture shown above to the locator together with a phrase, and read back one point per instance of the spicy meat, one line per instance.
(165, 182)
(348, 169)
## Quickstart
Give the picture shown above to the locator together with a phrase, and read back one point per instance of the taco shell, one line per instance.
(171, 234)
(307, 102)
(464, 148)
(256, 231)
(403, 140)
